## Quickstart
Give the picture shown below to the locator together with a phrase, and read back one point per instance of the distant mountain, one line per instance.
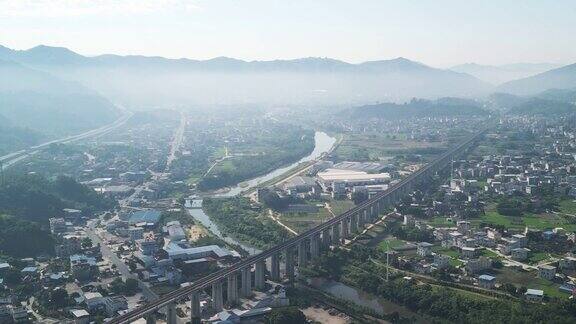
(443, 107)
(563, 95)
(560, 78)
(543, 107)
(505, 101)
(35, 105)
(155, 81)
(503, 73)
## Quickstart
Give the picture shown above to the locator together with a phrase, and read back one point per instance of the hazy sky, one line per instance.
(435, 32)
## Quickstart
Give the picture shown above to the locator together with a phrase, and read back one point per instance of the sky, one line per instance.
(440, 33)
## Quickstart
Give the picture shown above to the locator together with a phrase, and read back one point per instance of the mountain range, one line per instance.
(560, 78)
(139, 81)
(498, 74)
(36, 106)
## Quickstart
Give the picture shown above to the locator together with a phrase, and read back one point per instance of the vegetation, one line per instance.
(421, 108)
(287, 145)
(12, 232)
(543, 107)
(444, 303)
(238, 218)
(285, 315)
(36, 198)
(128, 287)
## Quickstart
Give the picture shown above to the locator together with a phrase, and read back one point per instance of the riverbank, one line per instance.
(323, 144)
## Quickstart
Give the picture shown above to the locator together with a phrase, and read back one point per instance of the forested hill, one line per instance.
(12, 233)
(444, 107)
(36, 106)
(543, 107)
(35, 198)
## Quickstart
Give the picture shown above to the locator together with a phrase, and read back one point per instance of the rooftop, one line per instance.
(147, 216)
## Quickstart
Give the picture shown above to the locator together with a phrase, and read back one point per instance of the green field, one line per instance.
(536, 257)
(380, 146)
(390, 243)
(340, 206)
(301, 222)
(521, 278)
(568, 207)
(446, 251)
(440, 221)
(534, 221)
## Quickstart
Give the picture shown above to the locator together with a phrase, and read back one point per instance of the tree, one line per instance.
(131, 287)
(59, 298)
(359, 196)
(285, 315)
(86, 243)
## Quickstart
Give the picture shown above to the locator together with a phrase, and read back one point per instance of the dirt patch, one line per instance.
(328, 315)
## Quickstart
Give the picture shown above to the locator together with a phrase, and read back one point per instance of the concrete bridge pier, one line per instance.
(302, 254)
(344, 228)
(361, 219)
(246, 288)
(315, 246)
(171, 317)
(259, 275)
(151, 319)
(275, 267)
(217, 298)
(354, 224)
(326, 238)
(232, 288)
(290, 264)
(336, 234)
(195, 313)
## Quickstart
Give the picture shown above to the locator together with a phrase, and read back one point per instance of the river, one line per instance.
(361, 298)
(323, 143)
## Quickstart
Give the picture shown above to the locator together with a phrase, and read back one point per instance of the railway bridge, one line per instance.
(296, 251)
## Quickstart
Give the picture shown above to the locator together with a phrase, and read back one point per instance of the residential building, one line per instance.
(57, 226)
(114, 304)
(424, 249)
(441, 261)
(83, 267)
(477, 265)
(520, 254)
(80, 316)
(547, 272)
(486, 281)
(534, 295)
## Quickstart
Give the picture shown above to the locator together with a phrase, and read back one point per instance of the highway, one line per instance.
(218, 276)
(15, 157)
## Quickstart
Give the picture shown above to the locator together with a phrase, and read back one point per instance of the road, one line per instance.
(177, 141)
(13, 158)
(120, 265)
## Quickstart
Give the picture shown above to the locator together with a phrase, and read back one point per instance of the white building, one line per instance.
(534, 295)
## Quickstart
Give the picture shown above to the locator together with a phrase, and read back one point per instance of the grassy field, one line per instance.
(568, 207)
(390, 243)
(529, 280)
(446, 251)
(536, 257)
(340, 206)
(534, 221)
(378, 146)
(301, 222)
(440, 221)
